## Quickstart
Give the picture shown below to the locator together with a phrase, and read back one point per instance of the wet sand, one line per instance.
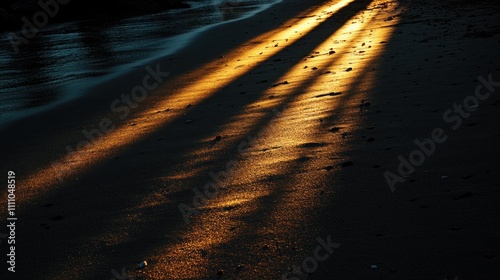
(273, 135)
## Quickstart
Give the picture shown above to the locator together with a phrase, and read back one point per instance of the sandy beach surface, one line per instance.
(318, 139)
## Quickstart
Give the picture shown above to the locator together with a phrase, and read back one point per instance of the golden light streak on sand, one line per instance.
(208, 225)
(187, 258)
(308, 200)
(192, 250)
(208, 234)
(291, 138)
(199, 86)
(297, 77)
(108, 146)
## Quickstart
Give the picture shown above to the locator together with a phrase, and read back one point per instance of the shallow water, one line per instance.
(63, 60)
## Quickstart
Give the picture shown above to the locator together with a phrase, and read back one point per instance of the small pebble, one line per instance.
(142, 265)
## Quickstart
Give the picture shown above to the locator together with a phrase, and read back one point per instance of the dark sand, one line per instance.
(117, 200)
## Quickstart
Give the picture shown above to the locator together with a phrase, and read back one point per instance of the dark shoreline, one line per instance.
(12, 12)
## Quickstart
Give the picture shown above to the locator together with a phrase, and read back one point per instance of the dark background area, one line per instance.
(12, 11)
